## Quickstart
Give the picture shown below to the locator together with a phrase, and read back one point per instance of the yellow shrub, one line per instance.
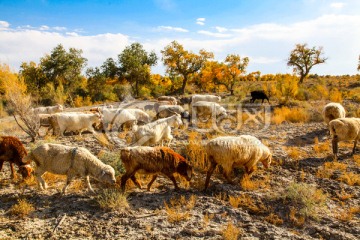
(335, 95)
(294, 115)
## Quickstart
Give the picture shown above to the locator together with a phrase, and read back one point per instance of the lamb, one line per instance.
(333, 111)
(153, 160)
(259, 94)
(48, 110)
(13, 151)
(70, 161)
(207, 98)
(156, 131)
(168, 98)
(344, 129)
(230, 152)
(205, 109)
(76, 122)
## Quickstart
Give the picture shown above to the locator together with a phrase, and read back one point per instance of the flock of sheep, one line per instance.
(229, 151)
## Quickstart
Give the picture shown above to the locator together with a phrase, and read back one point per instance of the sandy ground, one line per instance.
(207, 215)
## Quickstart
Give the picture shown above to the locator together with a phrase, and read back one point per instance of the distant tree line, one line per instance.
(59, 76)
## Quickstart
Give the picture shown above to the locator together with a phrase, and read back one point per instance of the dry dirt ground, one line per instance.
(264, 211)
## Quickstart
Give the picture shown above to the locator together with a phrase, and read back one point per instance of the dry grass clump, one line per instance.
(22, 208)
(230, 232)
(293, 152)
(179, 209)
(196, 152)
(294, 115)
(247, 184)
(350, 178)
(329, 168)
(274, 219)
(245, 201)
(112, 200)
(306, 200)
(320, 147)
(207, 218)
(348, 214)
(357, 160)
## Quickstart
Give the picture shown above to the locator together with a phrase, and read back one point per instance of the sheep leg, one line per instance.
(151, 182)
(13, 174)
(335, 146)
(227, 177)
(41, 183)
(1, 164)
(209, 173)
(87, 179)
(68, 181)
(353, 151)
(135, 181)
(125, 177)
(172, 178)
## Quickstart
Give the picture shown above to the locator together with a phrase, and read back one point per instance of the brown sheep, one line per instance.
(13, 151)
(153, 160)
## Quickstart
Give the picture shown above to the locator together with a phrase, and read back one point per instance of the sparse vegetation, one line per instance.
(306, 199)
(22, 208)
(230, 232)
(178, 209)
(112, 200)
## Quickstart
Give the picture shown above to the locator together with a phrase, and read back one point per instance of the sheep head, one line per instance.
(108, 175)
(25, 170)
(185, 170)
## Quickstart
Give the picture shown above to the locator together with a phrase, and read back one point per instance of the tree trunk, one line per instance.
(182, 90)
(302, 77)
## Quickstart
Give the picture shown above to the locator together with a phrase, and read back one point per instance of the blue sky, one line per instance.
(263, 30)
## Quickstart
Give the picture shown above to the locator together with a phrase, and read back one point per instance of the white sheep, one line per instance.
(76, 122)
(333, 111)
(168, 98)
(204, 109)
(231, 152)
(344, 129)
(207, 98)
(48, 110)
(160, 103)
(70, 161)
(154, 132)
(141, 116)
(116, 117)
(169, 110)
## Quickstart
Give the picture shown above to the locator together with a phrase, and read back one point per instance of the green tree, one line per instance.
(135, 65)
(64, 68)
(96, 84)
(110, 69)
(303, 59)
(179, 61)
(34, 78)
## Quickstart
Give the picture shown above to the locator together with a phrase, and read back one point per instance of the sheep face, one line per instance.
(108, 175)
(25, 171)
(178, 121)
(267, 161)
(184, 170)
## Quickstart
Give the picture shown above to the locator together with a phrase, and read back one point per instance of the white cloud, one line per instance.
(200, 21)
(337, 5)
(212, 34)
(267, 45)
(60, 29)
(44, 28)
(221, 29)
(4, 25)
(30, 45)
(169, 28)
